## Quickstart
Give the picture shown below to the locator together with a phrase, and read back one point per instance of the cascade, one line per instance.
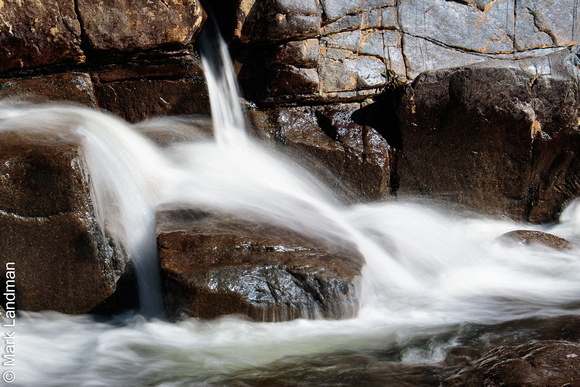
(226, 110)
(431, 274)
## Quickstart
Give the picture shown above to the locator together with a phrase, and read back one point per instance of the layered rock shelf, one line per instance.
(336, 50)
(136, 64)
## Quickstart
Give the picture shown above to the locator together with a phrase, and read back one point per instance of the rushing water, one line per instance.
(433, 278)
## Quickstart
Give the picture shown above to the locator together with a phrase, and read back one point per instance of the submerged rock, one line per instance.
(48, 227)
(218, 264)
(543, 363)
(537, 238)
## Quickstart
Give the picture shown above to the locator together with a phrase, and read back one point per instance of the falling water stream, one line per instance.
(433, 277)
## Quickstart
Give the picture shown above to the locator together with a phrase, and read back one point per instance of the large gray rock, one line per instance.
(218, 264)
(48, 228)
(438, 32)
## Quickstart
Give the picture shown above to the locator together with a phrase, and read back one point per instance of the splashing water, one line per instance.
(428, 272)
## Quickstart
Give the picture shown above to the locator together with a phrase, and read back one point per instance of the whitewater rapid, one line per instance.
(428, 269)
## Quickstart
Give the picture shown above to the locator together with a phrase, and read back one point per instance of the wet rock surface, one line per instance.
(502, 136)
(217, 264)
(152, 87)
(68, 87)
(543, 363)
(48, 228)
(346, 152)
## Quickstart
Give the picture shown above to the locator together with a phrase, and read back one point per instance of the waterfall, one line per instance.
(224, 95)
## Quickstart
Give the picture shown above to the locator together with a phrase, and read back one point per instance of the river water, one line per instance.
(437, 284)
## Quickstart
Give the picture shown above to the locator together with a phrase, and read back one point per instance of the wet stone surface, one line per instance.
(217, 264)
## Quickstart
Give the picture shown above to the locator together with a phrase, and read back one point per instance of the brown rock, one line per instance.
(48, 230)
(131, 25)
(135, 100)
(38, 33)
(543, 363)
(537, 238)
(71, 87)
(212, 265)
(466, 138)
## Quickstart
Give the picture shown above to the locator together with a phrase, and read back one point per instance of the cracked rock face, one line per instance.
(438, 34)
(218, 264)
(356, 41)
(48, 229)
(316, 51)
